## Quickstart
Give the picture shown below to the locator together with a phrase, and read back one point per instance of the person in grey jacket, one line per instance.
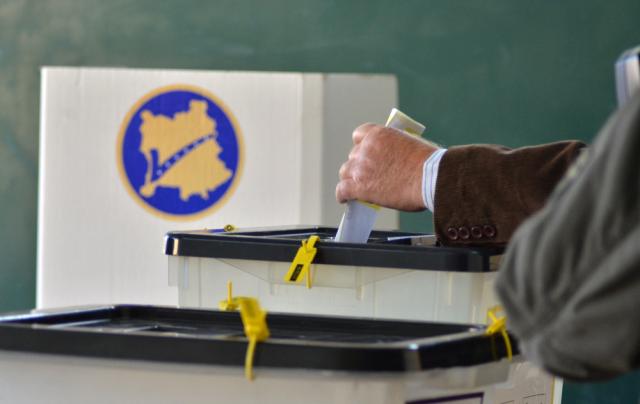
(570, 278)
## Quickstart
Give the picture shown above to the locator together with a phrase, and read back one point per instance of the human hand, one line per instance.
(384, 167)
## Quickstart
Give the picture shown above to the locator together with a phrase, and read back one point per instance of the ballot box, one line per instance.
(396, 275)
(135, 354)
(129, 154)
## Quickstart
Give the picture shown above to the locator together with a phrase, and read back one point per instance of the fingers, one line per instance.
(347, 187)
(354, 153)
(350, 184)
(343, 173)
(362, 131)
(346, 190)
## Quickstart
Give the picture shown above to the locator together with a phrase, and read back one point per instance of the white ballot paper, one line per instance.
(359, 217)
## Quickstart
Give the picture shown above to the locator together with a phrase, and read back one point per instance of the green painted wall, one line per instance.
(514, 72)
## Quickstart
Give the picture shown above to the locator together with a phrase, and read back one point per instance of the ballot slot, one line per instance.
(142, 320)
(395, 275)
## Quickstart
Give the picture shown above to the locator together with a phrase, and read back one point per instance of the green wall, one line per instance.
(514, 72)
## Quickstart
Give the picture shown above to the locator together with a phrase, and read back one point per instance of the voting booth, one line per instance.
(129, 154)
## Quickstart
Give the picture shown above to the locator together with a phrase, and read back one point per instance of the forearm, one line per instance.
(484, 192)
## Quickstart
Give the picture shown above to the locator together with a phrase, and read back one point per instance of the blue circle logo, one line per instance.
(180, 152)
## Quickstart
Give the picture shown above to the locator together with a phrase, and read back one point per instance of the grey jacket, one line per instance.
(570, 279)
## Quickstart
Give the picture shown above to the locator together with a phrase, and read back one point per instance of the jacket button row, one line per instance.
(477, 232)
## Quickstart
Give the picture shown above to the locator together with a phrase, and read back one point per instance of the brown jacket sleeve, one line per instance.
(483, 192)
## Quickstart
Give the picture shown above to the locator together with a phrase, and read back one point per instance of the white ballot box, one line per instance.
(152, 354)
(127, 155)
(395, 275)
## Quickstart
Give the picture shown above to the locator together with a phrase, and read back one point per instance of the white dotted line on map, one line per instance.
(180, 154)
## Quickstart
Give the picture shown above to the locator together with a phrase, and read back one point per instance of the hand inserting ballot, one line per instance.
(384, 167)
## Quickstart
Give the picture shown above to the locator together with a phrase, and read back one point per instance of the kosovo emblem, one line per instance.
(180, 152)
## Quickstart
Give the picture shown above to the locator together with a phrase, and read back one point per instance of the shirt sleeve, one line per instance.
(430, 177)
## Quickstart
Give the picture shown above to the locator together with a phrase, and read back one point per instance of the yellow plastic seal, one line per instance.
(229, 304)
(499, 325)
(300, 267)
(254, 321)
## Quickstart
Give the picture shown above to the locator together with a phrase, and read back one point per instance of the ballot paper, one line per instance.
(359, 218)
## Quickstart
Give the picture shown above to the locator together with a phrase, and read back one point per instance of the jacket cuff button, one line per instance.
(489, 231)
(476, 232)
(452, 233)
(463, 232)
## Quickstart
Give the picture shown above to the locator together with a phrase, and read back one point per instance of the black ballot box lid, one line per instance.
(385, 249)
(210, 337)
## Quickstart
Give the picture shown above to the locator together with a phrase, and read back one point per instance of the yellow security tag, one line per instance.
(300, 267)
(254, 322)
(499, 325)
(228, 304)
(253, 318)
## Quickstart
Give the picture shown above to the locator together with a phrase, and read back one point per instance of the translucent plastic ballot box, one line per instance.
(140, 354)
(127, 155)
(395, 275)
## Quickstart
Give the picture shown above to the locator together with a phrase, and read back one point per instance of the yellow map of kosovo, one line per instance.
(184, 162)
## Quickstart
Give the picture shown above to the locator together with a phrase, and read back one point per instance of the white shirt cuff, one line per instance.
(430, 177)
